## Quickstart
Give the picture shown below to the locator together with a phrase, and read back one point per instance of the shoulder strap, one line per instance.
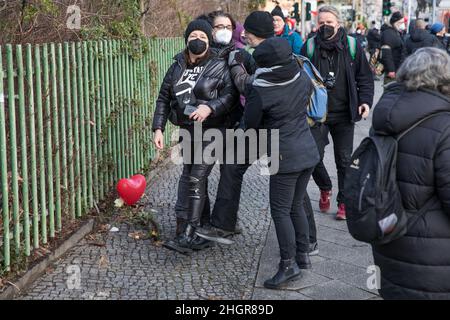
(310, 47)
(415, 125)
(352, 46)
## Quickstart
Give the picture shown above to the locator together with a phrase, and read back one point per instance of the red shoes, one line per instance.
(341, 215)
(324, 202)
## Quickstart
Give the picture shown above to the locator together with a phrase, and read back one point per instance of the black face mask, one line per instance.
(197, 46)
(326, 32)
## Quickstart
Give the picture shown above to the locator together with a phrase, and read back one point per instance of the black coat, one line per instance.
(374, 39)
(417, 266)
(273, 105)
(359, 76)
(421, 38)
(249, 64)
(214, 88)
(393, 51)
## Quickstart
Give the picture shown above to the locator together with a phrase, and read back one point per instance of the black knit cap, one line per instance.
(200, 25)
(260, 24)
(273, 51)
(278, 12)
(396, 16)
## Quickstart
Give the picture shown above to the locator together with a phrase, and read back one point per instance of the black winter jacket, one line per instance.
(374, 39)
(280, 103)
(421, 38)
(223, 51)
(417, 266)
(393, 51)
(359, 76)
(214, 88)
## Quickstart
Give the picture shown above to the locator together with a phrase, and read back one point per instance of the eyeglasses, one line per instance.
(222, 27)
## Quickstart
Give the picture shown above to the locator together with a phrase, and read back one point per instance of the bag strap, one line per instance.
(428, 205)
(415, 125)
(352, 46)
(310, 47)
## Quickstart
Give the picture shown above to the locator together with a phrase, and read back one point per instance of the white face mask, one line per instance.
(402, 27)
(223, 36)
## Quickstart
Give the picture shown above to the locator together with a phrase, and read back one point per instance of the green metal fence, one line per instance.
(74, 119)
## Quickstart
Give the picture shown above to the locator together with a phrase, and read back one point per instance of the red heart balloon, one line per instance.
(131, 190)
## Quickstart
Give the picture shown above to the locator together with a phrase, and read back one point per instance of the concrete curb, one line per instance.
(31, 275)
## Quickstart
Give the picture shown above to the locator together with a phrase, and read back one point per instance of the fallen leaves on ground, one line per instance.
(103, 262)
(138, 235)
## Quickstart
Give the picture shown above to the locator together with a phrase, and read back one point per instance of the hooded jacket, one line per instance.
(294, 39)
(278, 100)
(417, 266)
(421, 38)
(214, 88)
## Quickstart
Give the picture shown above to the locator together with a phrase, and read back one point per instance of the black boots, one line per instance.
(303, 261)
(186, 240)
(182, 243)
(288, 269)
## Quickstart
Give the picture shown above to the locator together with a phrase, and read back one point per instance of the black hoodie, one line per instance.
(417, 266)
(421, 38)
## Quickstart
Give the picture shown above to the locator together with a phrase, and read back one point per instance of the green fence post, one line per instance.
(62, 112)
(13, 147)
(112, 103)
(4, 172)
(32, 135)
(87, 124)
(23, 149)
(48, 142)
(102, 114)
(76, 126)
(100, 155)
(118, 108)
(95, 129)
(57, 147)
(108, 126)
(40, 135)
(82, 120)
(70, 138)
(121, 75)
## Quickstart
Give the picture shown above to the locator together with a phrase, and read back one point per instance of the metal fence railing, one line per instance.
(74, 118)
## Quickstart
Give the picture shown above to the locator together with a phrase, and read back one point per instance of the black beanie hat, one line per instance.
(201, 25)
(277, 12)
(272, 52)
(396, 16)
(260, 23)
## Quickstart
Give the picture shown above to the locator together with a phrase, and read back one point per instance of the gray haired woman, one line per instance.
(417, 266)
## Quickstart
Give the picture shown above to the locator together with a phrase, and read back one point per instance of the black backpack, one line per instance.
(373, 202)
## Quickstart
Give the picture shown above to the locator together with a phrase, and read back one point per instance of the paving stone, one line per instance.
(336, 290)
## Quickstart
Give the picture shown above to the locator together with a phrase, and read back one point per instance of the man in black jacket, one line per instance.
(350, 85)
(392, 46)
(421, 38)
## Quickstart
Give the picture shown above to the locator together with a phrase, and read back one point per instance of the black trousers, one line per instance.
(342, 134)
(193, 203)
(310, 216)
(183, 206)
(226, 207)
(320, 173)
(287, 192)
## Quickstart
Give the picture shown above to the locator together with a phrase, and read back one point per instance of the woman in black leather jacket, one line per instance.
(197, 89)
